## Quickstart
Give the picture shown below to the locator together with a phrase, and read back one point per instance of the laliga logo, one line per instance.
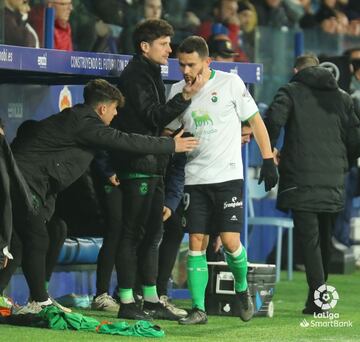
(326, 297)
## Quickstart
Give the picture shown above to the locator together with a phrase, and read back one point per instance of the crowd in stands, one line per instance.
(107, 26)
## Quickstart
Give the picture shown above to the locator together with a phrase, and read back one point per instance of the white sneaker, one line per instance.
(59, 306)
(172, 308)
(105, 302)
(31, 307)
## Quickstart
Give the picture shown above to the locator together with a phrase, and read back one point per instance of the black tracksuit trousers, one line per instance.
(142, 230)
(109, 248)
(315, 231)
(35, 245)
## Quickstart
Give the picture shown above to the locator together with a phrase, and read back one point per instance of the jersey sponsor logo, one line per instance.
(201, 119)
(234, 218)
(233, 204)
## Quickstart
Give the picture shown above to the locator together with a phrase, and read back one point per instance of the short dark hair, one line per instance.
(150, 30)
(99, 90)
(306, 61)
(194, 44)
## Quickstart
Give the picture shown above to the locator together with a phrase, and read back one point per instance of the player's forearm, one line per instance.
(261, 136)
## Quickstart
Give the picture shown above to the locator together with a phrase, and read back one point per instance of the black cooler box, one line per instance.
(220, 291)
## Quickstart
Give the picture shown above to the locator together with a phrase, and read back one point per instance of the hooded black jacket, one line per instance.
(321, 131)
(145, 112)
(61, 147)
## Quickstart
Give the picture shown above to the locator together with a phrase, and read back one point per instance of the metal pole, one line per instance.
(49, 28)
(299, 43)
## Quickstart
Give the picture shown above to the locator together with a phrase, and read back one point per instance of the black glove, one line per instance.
(268, 174)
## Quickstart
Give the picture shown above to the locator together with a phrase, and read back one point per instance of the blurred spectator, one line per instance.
(15, 27)
(221, 49)
(109, 11)
(247, 16)
(62, 32)
(295, 9)
(201, 8)
(24, 10)
(184, 22)
(354, 60)
(308, 19)
(139, 11)
(89, 32)
(331, 19)
(353, 9)
(152, 9)
(247, 22)
(225, 15)
(273, 13)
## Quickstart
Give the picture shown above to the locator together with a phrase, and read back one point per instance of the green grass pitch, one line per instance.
(284, 326)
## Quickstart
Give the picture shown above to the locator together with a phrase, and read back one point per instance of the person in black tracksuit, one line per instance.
(141, 176)
(58, 152)
(57, 228)
(321, 133)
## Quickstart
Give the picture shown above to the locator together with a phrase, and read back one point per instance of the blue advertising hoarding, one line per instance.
(102, 64)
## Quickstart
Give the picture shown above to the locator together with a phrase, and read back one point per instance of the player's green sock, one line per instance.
(237, 262)
(197, 275)
(126, 296)
(150, 294)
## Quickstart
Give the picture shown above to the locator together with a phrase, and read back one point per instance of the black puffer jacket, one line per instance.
(145, 112)
(321, 129)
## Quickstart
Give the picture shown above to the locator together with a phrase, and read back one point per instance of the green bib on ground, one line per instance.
(59, 320)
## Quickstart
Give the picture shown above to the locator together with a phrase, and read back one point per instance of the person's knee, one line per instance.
(231, 242)
(198, 242)
(57, 227)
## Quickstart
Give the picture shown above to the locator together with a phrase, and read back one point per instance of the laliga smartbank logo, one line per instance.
(325, 297)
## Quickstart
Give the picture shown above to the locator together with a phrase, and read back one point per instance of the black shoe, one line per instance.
(245, 305)
(195, 316)
(132, 311)
(160, 311)
(310, 306)
(312, 310)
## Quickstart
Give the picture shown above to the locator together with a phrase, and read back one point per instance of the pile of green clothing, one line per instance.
(54, 318)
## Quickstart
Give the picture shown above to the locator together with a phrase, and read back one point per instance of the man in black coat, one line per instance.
(141, 176)
(321, 133)
(58, 152)
(13, 187)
